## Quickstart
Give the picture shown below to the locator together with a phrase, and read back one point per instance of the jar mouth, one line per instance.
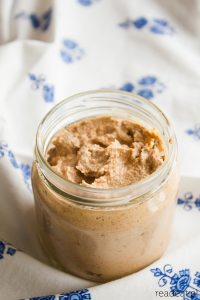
(123, 105)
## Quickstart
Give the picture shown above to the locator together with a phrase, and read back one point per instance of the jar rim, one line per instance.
(48, 172)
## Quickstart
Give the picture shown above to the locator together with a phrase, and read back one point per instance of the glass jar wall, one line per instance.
(105, 234)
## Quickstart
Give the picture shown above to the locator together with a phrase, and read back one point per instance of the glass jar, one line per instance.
(105, 234)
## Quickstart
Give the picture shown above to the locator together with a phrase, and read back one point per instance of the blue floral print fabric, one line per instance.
(51, 50)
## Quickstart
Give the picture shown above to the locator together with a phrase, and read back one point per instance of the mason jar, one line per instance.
(105, 234)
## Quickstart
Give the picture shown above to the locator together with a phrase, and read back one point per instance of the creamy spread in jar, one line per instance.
(105, 189)
(105, 153)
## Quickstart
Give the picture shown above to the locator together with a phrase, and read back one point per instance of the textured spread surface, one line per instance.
(105, 152)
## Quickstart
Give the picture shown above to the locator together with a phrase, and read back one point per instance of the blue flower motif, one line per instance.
(22, 15)
(157, 272)
(161, 22)
(52, 297)
(197, 202)
(70, 44)
(156, 30)
(12, 159)
(86, 2)
(42, 22)
(146, 87)
(48, 93)
(71, 51)
(26, 170)
(156, 26)
(192, 295)
(180, 283)
(125, 24)
(148, 94)
(188, 201)
(46, 19)
(147, 80)
(128, 87)
(3, 148)
(78, 295)
(37, 81)
(32, 77)
(180, 201)
(190, 131)
(66, 57)
(195, 132)
(34, 20)
(197, 281)
(161, 27)
(2, 247)
(48, 90)
(141, 22)
(11, 251)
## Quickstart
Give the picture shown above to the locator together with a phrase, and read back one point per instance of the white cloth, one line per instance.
(53, 49)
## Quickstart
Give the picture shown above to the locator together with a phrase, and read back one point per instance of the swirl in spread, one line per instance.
(105, 153)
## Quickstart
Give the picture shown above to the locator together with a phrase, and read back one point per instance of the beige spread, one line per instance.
(105, 153)
(105, 243)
